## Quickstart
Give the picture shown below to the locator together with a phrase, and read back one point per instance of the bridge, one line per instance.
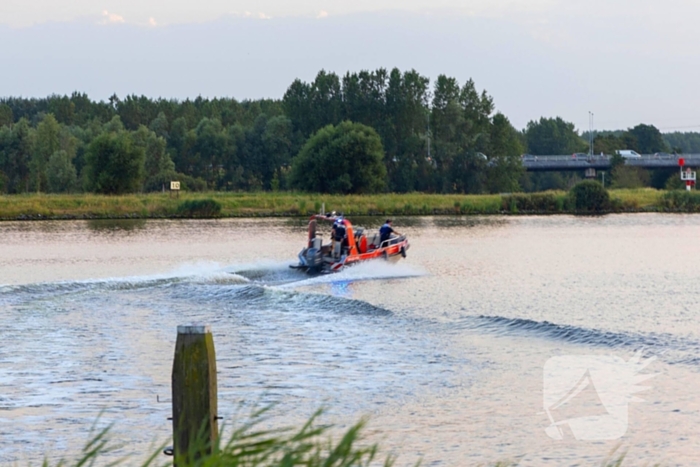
(602, 162)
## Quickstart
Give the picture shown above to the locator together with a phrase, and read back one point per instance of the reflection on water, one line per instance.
(374, 222)
(466, 221)
(116, 225)
(341, 288)
(445, 350)
(370, 222)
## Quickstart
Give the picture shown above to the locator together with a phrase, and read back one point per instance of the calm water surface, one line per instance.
(444, 351)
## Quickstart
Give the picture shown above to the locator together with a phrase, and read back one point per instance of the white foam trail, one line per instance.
(203, 272)
(262, 266)
(206, 272)
(369, 270)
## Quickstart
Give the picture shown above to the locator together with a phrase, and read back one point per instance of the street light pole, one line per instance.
(590, 133)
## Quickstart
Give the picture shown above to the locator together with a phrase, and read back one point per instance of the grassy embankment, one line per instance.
(159, 205)
(248, 444)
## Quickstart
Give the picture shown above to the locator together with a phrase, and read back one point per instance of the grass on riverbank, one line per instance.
(161, 205)
(250, 445)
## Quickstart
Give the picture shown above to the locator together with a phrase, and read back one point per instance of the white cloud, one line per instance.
(152, 22)
(249, 14)
(111, 18)
(322, 14)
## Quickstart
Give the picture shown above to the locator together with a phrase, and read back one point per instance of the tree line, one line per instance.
(363, 132)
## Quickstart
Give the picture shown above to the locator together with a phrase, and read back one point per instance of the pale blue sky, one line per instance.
(27, 12)
(628, 61)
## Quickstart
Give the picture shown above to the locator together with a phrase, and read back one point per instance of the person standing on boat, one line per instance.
(338, 236)
(385, 232)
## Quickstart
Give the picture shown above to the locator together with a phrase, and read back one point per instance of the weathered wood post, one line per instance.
(194, 392)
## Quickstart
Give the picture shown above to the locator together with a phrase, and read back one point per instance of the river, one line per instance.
(458, 354)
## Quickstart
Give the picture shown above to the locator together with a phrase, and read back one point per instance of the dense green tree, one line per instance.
(553, 136)
(6, 115)
(346, 158)
(405, 138)
(160, 126)
(210, 151)
(62, 108)
(135, 111)
(504, 165)
(159, 169)
(649, 139)
(460, 122)
(61, 175)
(19, 155)
(179, 144)
(114, 164)
(252, 155)
(688, 143)
(277, 145)
(115, 125)
(313, 106)
(607, 144)
(46, 142)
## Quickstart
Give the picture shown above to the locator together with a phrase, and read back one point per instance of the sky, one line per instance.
(625, 61)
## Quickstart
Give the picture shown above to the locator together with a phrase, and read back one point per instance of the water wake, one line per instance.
(370, 270)
(199, 273)
(675, 348)
(260, 286)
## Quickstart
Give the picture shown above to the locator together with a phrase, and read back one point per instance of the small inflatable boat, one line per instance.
(356, 246)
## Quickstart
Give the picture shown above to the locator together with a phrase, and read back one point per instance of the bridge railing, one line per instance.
(604, 157)
(602, 162)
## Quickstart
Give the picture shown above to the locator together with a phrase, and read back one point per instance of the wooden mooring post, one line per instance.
(195, 425)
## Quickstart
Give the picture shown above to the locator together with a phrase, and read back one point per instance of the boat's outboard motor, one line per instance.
(314, 260)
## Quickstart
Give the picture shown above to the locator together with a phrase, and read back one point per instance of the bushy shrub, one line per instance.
(199, 208)
(674, 182)
(531, 203)
(589, 196)
(681, 201)
(189, 183)
(347, 158)
(114, 164)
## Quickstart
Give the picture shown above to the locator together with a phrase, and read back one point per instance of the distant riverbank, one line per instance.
(227, 204)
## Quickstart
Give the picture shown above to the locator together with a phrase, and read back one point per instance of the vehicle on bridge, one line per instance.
(663, 155)
(629, 154)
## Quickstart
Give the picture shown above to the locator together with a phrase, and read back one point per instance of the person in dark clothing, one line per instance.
(385, 232)
(338, 235)
(339, 231)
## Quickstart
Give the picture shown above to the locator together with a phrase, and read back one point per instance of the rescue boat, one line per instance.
(357, 246)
